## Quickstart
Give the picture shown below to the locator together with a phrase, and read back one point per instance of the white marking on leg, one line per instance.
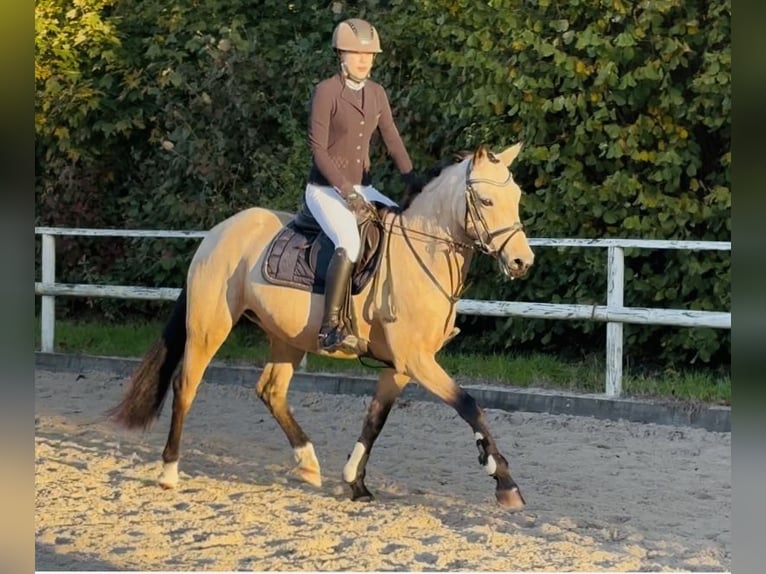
(352, 466)
(491, 465)
(169, 477)
(305, 456)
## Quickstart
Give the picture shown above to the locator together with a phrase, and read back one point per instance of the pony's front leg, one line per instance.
(389, 387)
(431, 375)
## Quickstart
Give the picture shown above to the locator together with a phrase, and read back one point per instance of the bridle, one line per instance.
(482, 241)
(474, 217)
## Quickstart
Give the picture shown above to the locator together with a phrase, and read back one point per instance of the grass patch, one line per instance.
(247, 345)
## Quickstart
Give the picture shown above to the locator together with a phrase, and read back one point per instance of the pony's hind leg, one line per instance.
(200, 348)
(429, 373)
(272, 390)
(388, 388)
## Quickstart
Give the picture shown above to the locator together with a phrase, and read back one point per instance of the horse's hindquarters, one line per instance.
(221, 269)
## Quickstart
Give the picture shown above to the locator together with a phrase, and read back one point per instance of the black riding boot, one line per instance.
(331, 335)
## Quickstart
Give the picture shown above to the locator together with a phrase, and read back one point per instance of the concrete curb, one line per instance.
(712, 418)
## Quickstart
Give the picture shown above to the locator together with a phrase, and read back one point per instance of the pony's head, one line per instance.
(474, 195)
(492, 219)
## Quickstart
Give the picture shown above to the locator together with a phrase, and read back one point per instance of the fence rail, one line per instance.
(614, 314)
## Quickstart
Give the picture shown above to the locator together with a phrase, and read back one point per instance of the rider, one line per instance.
(345, 111)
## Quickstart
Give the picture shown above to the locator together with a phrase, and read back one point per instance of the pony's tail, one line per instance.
(143, 401)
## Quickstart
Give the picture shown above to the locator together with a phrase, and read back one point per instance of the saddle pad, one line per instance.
(299, 257)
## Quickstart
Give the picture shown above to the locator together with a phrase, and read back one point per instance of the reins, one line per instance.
(473, 218)
(453, 295)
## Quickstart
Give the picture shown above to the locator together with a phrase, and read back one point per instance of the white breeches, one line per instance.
(336, 219)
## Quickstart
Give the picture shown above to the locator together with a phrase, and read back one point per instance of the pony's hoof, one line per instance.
(310, 475)
(307, 468)
(169, 478)
(511, 499)
(359, 492)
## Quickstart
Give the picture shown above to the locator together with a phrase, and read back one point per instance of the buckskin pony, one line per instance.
(403, 312)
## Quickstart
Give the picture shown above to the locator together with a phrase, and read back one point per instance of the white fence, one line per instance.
(614, 314)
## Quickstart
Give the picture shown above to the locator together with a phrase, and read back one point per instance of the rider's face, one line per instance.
(358, 64)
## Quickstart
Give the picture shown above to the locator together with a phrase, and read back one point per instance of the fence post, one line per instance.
(48, 305)
(614, 298)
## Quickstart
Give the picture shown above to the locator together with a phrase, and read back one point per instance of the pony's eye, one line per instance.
(486, 202)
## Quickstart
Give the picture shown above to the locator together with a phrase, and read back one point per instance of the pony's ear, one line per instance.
(482, 152)
(509, 155)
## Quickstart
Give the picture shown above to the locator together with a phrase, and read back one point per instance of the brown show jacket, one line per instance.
(340, 129)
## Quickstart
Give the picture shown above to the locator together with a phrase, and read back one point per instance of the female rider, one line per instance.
(346, 109)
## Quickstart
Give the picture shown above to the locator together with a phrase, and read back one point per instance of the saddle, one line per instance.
(299, 254)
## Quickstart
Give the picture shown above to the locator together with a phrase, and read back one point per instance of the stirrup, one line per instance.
(337, 339)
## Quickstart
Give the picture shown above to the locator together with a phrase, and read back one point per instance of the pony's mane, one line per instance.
(431, 174)
(435, 171)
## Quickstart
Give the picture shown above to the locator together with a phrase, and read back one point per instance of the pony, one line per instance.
(405, 314)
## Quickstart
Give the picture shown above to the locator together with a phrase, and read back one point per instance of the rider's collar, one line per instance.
(351, 82)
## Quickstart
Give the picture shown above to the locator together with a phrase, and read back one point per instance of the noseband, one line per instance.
(474, 218)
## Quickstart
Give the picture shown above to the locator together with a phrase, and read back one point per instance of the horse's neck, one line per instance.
(439, 210)
(430, 237)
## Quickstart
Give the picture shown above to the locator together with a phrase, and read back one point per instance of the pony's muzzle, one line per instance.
(516, 267)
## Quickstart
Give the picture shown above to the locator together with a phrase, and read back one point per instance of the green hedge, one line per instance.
(175, 116)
